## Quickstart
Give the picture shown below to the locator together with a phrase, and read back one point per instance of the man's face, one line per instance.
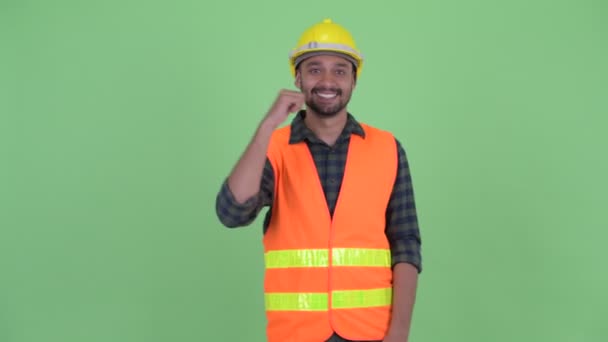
(327, 83)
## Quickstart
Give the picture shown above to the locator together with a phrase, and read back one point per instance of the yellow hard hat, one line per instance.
(323, 37)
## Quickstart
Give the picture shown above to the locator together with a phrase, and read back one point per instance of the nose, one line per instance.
(327, 78)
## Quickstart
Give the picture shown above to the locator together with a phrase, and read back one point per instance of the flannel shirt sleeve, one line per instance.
(233, 214)
(401, 219)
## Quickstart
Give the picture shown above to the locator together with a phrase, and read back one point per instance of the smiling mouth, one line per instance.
(327, 95)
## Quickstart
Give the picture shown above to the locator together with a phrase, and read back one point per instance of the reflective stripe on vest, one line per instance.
(318, 301)
(363, 257)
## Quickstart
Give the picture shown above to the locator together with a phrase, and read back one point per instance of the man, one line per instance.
(341, 238)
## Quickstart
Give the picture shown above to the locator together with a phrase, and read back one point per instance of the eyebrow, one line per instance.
(316, 63)
(342, 65)
(313, 63)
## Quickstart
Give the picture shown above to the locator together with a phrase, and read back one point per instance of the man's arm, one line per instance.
(404, 236)
(241, 190)
(405, 280)
(233, 214)
(245, 179)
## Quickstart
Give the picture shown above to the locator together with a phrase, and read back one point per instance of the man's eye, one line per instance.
(340, 72)
(314, 71)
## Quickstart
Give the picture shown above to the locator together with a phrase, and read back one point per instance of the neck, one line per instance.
(326, 129)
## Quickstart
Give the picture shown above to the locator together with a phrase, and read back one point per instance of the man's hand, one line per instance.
(288, 101)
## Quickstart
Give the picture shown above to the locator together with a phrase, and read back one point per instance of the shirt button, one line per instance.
(332, 181)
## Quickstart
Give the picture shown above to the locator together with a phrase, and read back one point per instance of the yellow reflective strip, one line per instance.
(361, 257)
(345, 299)
(365, 257)
(296, 258)
(361, 298)
(296, 301)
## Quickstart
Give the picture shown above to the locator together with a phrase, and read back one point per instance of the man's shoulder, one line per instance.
(388, 135)
(281, 133)
(279, 141)
(377, 130)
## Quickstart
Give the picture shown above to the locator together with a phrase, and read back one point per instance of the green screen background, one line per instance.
(120, 119)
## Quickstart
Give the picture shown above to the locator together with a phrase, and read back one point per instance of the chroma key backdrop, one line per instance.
(119, 120)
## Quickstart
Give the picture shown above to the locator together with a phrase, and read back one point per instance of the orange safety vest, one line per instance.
(322, 274)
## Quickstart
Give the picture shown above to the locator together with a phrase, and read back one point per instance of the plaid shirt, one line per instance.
(401, 220)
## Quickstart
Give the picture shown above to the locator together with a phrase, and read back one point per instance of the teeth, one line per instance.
(327, 96)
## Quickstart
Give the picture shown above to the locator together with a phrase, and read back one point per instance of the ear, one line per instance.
(298, 80)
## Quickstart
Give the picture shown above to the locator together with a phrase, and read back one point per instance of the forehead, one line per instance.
(326, 60)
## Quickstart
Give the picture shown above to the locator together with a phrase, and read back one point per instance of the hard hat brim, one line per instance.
(299, 59)
(296, 59)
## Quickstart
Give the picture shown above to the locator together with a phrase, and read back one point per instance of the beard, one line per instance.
(327, 110)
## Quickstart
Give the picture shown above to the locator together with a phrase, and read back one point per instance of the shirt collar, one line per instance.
(300, 132)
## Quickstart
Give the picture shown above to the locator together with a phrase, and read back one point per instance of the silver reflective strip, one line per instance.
(320, 46)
